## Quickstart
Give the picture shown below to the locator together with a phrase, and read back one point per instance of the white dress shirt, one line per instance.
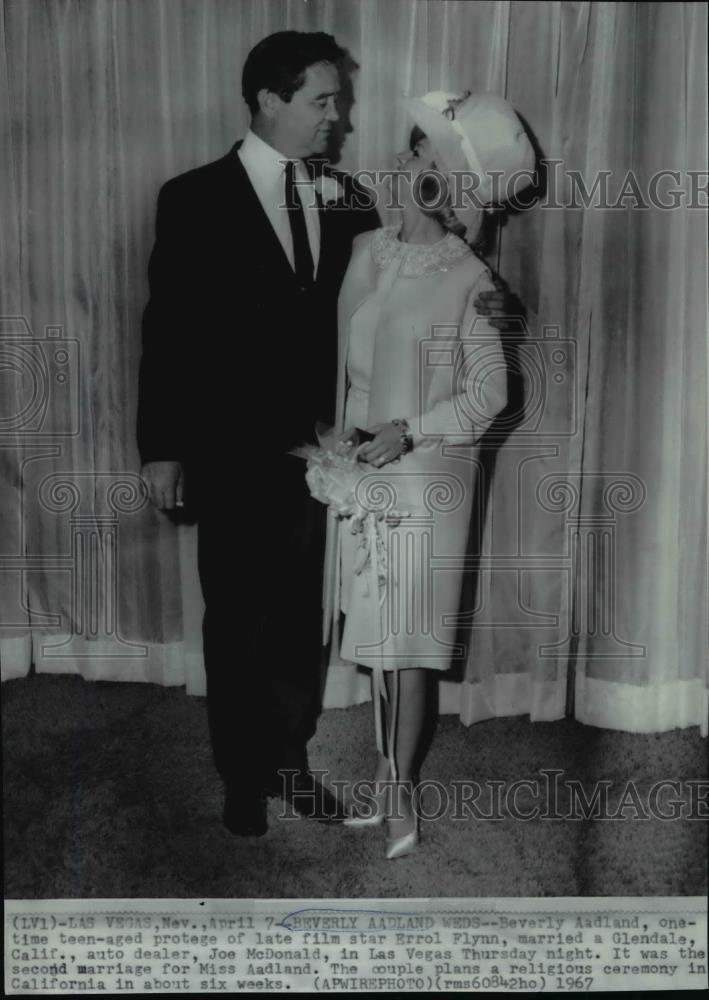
(265, 168)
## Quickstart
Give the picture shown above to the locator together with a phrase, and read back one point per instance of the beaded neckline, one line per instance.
(417, 258)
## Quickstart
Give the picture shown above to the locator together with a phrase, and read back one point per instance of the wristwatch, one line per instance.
(407, 438)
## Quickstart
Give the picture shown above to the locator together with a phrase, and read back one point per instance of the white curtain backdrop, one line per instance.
(591, 590)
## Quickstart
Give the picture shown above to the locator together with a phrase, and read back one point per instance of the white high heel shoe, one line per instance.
(399, 847)
(374, 815)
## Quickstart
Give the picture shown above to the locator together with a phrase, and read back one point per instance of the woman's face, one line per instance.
(412, 162)
(420, 182)
(419, 156)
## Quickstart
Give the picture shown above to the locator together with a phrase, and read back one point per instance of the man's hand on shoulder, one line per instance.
(504, 309)
(165, 484)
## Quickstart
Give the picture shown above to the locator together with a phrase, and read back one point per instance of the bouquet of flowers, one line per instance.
(335, 478)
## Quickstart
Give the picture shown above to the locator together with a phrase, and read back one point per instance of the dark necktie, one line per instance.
(302, 257)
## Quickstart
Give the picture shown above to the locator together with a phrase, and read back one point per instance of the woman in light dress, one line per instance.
(423, 372)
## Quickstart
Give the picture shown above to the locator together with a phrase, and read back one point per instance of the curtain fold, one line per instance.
(646, 404)
(591, 587)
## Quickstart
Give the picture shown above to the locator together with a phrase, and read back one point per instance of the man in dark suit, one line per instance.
(239, 354)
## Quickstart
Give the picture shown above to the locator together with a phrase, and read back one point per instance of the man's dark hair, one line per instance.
(279, 63)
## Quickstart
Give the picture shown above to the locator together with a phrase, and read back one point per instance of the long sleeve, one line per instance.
(467, 378)
(161, 395)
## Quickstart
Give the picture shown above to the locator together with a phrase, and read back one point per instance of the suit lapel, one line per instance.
(256, 227)
(255, 224)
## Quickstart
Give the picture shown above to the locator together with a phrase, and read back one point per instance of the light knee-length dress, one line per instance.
(412, 346)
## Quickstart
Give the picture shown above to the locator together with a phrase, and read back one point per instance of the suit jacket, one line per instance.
(237, 359)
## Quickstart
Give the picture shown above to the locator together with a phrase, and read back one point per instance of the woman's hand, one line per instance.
(387, 445)
(348, 440)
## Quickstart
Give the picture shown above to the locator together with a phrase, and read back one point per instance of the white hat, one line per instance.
(477, 134)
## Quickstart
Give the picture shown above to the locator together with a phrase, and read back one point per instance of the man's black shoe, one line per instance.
(245, 813)
(306, 796)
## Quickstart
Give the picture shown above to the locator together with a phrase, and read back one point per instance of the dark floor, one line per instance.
(110, 792)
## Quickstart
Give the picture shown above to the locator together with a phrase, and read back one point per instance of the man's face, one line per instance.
(303, 124)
